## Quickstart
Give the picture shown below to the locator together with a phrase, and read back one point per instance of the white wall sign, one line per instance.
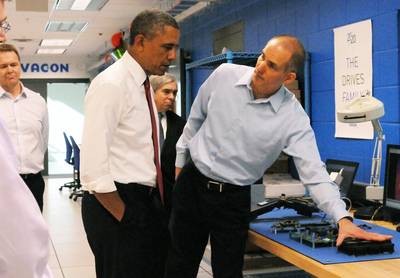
(53, 67)
(44, 67)
(353, 73)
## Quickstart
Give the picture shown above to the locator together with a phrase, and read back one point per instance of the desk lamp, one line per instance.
(363, 109)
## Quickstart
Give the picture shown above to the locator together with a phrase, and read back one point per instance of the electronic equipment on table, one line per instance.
(392, 184)
(306, 234)
(348, 170)
(359, 247)
(324, 234)
(303, 205)
(277, 184)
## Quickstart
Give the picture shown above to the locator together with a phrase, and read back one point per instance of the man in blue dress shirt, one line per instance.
(240, 121)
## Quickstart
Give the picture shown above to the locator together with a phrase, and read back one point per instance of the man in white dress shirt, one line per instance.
(24, 113)
(124, 218)
(24, 239)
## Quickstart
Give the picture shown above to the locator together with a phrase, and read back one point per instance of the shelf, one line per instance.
(243, 58)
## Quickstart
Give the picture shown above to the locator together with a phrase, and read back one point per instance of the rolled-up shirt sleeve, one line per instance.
(302, 147)
(103, 109)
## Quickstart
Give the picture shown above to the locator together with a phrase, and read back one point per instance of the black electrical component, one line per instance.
(303, 206)
(359, 247)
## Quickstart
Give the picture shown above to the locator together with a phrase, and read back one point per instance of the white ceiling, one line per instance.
(88, 45)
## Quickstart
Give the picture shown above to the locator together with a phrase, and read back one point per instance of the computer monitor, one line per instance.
(392, 182)
(348, 174)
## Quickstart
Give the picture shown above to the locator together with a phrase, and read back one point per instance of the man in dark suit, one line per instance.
(171, 126)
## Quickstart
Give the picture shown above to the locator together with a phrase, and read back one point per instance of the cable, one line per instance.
(376, 211)
(348, 200)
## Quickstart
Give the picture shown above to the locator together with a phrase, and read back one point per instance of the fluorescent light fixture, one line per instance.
(182, 14)
(65, 26)
(50, 51)
(80, 5)
(56, 42)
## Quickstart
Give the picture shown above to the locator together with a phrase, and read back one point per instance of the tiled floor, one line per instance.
(71, 256)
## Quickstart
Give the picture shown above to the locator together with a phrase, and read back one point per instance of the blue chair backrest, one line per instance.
(77, 151)
(68, 153)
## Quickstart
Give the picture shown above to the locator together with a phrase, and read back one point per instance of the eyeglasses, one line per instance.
(5, 26)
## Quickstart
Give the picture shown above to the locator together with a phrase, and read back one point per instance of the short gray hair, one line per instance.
(149, 22)
(296, 63)
(157, 81)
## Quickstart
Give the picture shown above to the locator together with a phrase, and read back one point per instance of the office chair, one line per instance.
(77, 191)
(70, 160)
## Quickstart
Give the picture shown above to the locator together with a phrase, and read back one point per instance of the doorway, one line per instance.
(65, 104)
(65, 98)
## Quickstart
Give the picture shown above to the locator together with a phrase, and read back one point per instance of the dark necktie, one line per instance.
(159, 179)
(161, 136)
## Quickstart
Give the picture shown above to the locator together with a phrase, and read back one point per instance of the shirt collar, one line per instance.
(275, 100)
(23, 91)
(134, 68)
(245, 79)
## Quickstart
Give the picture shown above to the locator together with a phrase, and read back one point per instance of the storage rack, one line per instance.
(242, 58)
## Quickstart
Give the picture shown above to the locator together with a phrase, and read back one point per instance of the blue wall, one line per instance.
(313, 22)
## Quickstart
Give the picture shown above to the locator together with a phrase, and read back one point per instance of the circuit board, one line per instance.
(315, 236)
(286, 226)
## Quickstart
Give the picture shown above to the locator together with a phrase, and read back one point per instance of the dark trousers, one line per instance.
(199, 213)
(136, 246)
(35, 184)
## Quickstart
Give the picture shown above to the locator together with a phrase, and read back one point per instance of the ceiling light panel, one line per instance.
(81, 5)
(56, 42)
(65, 26)
(50, 51)
(64, 4)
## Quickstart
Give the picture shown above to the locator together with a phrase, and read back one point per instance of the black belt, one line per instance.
(217, 186)
(133, 187)
(143, 188)
(136, 187)
(29, 176)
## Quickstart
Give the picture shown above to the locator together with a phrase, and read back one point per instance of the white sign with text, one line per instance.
(38, 67)
(353, 73)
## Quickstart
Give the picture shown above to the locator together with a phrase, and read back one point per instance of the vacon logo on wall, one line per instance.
(45, 67)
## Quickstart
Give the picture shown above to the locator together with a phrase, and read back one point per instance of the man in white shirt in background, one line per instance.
(24, 238)
(124, 217)
(25, 115)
